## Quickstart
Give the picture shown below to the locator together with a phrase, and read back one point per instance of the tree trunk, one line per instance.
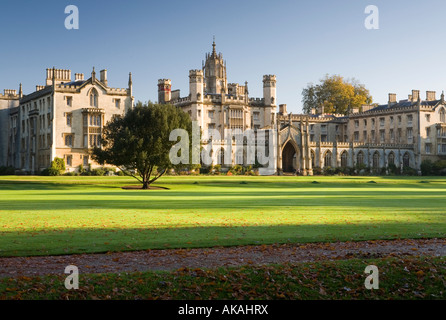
(145, 185)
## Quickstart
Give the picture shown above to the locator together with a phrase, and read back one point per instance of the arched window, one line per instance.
(360, 158)
(313, 159)
(94, 98)
(221, 157)
(391, 159)
(344, 157)
(239, 157)
(327, 159)
(376, 160)
(406, 160)
(442, 115)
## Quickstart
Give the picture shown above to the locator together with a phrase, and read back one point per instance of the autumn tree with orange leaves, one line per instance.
(335, 95)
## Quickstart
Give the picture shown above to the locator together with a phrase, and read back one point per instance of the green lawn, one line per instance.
(65, 215)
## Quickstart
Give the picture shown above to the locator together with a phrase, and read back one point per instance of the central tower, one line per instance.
(214, 69)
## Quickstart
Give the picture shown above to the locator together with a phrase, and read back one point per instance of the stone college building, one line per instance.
(64, 118)
(400, 133)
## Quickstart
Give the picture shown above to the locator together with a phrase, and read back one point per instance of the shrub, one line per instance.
(365, 171)
(194, 169)
(317, 171)
(56, 168)
(394, 170)
(50, 172)
(7, 171)
(257, 164)
(350, 171)
(408, 171)
(81, 169)
(215, 169)
(204, 170)
(248, 171)
(329, 171)
(427, 167)
(109, 171)
(58, 164)
(97, 172)
(439, 168)
(236, 170)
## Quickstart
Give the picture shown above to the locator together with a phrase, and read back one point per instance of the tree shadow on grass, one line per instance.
(81, 240)
(44, 185)
(161, 199)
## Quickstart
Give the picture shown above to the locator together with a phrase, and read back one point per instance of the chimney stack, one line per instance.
(392, 98)
(366, 108)
(59, 75)
(282, 109)
(431, 95)
(415, 95)
(10, 92)
(104, 77)
(78, 76)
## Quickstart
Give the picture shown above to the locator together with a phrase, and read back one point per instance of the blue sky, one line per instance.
(299, 41)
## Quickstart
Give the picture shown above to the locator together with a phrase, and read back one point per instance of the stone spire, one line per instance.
(93, 75)
(20, 91)
(214, 52)
(215, 72)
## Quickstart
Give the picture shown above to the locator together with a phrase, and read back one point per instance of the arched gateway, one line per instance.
(289, 158)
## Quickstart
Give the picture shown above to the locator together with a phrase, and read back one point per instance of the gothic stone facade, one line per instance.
(63, 118)
(216, 104)
(400, 133)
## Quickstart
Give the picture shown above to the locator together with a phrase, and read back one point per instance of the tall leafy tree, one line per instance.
(335, 95)
(138, 143)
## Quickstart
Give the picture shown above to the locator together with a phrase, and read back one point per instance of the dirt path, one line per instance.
(216, 257)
